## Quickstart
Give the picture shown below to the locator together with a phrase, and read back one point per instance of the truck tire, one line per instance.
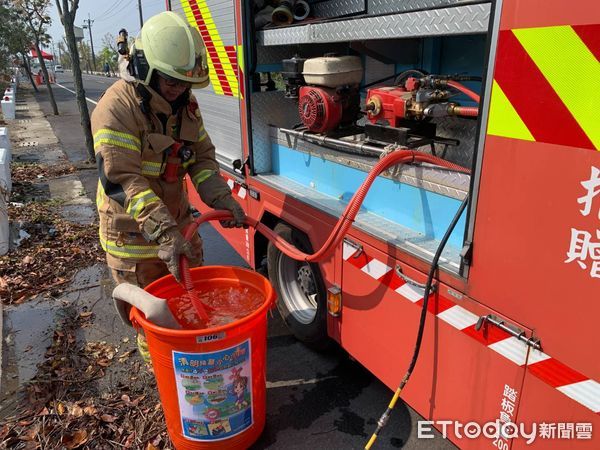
(301, 296)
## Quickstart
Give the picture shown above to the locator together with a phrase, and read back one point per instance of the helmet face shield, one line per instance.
(199, 73)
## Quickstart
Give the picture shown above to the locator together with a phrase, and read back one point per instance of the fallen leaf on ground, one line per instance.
(77, 411)
(107, 418)
(75, 439)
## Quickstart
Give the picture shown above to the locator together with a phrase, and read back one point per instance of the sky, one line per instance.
(108, 16)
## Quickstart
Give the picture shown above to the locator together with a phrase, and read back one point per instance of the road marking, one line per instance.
(300, 382)
(73, 92)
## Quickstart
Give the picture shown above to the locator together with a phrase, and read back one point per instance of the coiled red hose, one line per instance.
(339, 230)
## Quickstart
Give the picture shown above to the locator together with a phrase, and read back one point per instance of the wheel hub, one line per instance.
(306, 281)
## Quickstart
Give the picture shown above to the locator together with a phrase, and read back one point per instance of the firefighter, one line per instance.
(148, 134)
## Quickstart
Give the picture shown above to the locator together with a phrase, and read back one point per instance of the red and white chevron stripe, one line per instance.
(571, 383)
(237, 189)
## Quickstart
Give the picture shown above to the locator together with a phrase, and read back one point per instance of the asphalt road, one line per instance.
(314, 401)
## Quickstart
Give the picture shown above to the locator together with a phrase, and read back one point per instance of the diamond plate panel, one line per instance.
(448, 21)
(389, 7)
(468, 19)
(465, 131)
(338, 8)
(269, 109)
(415, 243)
(285, 36)
(275, 54)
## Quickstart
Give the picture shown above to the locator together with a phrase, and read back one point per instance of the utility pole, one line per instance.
(141, 17)
(54, 55)
(89, 27)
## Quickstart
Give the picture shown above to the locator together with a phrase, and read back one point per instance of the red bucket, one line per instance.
(212, 382)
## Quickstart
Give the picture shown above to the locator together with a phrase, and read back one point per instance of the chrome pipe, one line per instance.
(359, 148)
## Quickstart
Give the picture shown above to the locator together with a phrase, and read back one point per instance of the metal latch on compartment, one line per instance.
(510, 329)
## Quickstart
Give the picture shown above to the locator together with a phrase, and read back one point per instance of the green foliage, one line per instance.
(34, 14)
(109, 56)
(15, 36)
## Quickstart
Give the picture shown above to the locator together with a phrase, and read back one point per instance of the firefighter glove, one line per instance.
(172, 246)
(215, 192)
(239, 216)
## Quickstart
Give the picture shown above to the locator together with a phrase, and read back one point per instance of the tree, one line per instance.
(15, 39)
(65, 57)
(109, 41)
(34, 13)
(86, 56)
(67, 10)
(108, 56)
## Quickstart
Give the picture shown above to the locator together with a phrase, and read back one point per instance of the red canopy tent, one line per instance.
(45, 55)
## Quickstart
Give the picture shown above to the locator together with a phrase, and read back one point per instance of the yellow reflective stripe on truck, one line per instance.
(557, 51)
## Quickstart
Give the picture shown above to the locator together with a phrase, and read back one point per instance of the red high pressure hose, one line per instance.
(465, 90)
(468, 111)
(336, 236)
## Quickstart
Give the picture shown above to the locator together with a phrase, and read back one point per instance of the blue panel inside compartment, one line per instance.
(415, 208)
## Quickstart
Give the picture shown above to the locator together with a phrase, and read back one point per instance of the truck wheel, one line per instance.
(301, 296)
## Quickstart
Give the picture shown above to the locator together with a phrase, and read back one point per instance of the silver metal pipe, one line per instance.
(359, 148)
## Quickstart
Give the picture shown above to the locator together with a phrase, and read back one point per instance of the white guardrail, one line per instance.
(5, 189)
(8, 110)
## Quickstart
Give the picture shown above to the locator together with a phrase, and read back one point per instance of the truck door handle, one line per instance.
(412, 282)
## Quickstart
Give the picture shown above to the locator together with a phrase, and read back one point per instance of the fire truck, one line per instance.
(306, 97)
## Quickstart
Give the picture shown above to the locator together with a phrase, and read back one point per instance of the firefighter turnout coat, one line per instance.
(134, 130)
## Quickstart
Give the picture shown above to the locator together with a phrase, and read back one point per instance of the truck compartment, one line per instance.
(317, 142)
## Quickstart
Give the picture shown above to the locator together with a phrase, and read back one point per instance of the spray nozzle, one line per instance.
(122, 46)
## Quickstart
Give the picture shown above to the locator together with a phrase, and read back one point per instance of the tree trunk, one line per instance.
(45, 72)
(28, 70)
(81, 101)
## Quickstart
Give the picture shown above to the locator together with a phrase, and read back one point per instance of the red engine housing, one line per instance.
(389, 103)
(321, 109)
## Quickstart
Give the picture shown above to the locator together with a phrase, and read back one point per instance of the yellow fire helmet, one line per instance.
(168, 45)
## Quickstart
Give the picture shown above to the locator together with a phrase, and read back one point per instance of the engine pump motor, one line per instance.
(325, 109)
(327, 90)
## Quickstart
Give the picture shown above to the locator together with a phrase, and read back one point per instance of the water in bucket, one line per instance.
(211, 380)
(224, 304)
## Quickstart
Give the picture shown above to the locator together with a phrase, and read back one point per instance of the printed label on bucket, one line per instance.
(215, 392)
